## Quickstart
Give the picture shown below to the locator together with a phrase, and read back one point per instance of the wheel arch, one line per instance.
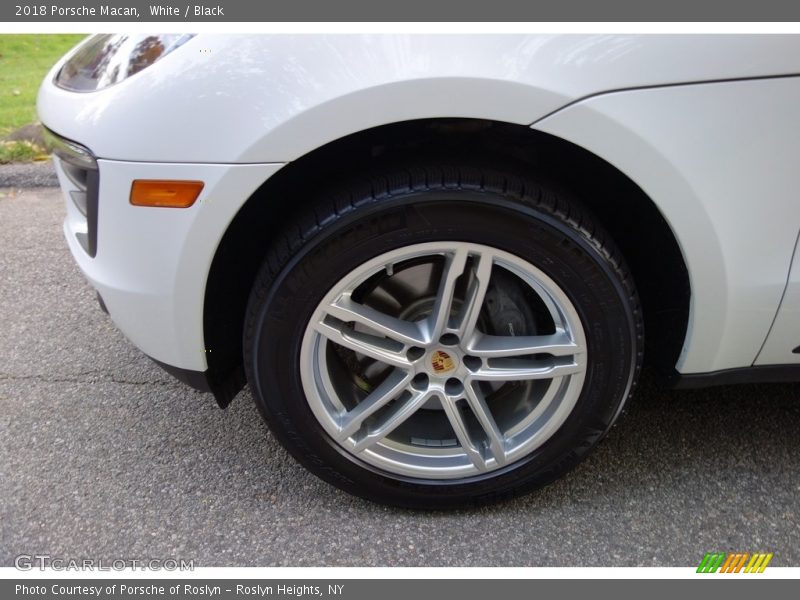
(623, 208)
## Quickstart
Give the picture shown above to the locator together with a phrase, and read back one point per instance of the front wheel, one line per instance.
(459, 337)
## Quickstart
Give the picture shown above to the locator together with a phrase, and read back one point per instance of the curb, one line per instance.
(28, 175)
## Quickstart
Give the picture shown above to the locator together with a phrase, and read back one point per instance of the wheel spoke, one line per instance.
(480, 409)
(554, 386)
(496, 346)
(461, 430)
(476, 293)
(405, 332)
(389, 389)
(395, 417)
(522, 370)
(376, 348)
(453, 268)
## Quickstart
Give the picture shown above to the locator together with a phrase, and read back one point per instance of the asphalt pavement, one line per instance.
(105, 456)
(28, 175)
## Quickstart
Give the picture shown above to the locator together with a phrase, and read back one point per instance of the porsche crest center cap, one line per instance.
(442, 362)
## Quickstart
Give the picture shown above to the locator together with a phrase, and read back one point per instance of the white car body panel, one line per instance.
(152, 264)
(784, 336)
(732, 205)
(229, 110)
(275, 98)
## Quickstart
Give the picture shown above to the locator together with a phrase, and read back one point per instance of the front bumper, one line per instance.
(150, 265)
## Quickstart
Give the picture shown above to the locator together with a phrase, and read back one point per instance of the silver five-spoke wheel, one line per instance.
(443, 360)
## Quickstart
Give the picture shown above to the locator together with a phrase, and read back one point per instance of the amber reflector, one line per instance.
(166, 194)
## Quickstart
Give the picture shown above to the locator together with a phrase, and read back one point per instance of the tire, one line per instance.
(442, 336)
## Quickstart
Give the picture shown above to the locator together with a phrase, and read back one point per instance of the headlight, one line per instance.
(106, 59)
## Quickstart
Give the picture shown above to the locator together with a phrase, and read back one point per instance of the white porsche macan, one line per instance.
(439, 261)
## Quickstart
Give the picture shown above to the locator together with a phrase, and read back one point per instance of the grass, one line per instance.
(21, 151)
(24, 61)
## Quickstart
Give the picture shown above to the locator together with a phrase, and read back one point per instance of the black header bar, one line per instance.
(400, 11)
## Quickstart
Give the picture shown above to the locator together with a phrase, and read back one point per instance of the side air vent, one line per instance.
(80, 168)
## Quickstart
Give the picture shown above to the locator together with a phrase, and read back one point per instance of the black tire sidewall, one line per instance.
(278, 316)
